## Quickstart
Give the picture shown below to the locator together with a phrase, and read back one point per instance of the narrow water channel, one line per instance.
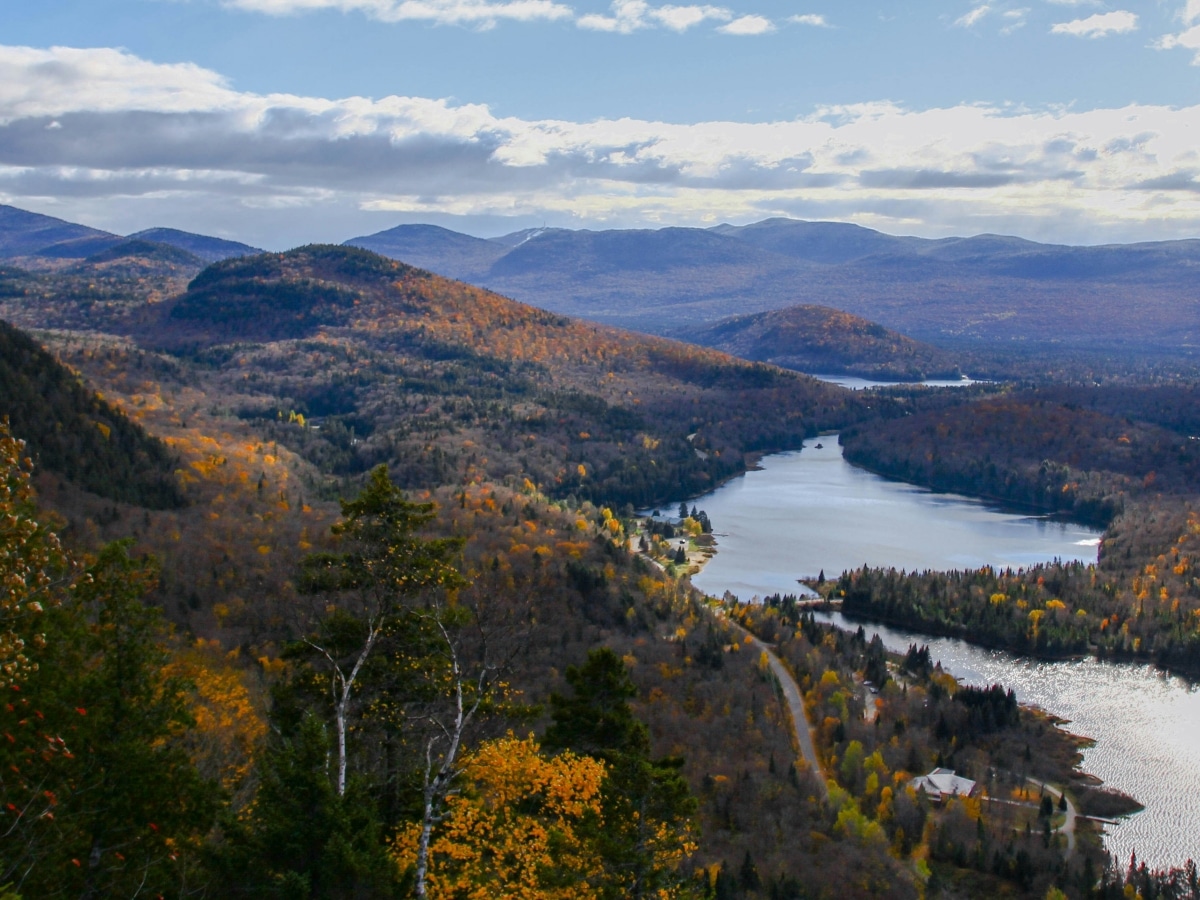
(805, 512)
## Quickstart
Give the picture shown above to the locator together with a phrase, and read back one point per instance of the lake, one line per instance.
(854, 383)
(805, 512)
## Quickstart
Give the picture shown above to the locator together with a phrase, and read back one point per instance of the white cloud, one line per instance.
(748, 26)
(179, 137)
(814, 20)
(629, 16)
(480, 13)
(1099, 25)
(681, 18)
(1189, 38)
(1014, 19)
(974, 16)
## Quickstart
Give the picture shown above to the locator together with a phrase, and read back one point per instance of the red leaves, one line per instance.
(81, 710)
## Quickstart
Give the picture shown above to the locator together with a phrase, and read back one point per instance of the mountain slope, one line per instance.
(209, 249)
(438, 249)
(25, 234)
(405, 367)
(821, 242)
(820, 339)
(73, 432)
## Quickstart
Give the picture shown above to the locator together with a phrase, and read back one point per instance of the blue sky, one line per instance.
(280, 121)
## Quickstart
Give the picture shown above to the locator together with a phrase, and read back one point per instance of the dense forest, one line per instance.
(1119, 457)
(390, 637)
(820, 339)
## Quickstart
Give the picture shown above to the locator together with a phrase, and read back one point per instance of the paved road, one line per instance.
(1068, 827)
(795, 704)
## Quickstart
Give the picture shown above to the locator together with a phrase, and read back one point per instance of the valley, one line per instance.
(221, 409)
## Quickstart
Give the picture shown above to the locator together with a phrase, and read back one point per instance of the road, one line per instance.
(795, 704)
(1068, 827)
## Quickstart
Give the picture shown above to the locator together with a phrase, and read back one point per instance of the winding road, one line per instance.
(795, 705)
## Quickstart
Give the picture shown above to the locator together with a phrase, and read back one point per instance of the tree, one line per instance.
(646, 832)
(301, 839)
(33, 567)
(519, 828)
(443, 663)
(131, 810)
(387, 566)
(230, 723)
(32, 563)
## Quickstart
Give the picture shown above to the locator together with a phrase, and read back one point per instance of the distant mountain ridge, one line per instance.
(209, 249)
(27, 234)
(981, 289)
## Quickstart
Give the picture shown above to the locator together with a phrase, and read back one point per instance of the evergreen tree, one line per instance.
(303, 839)
(647, 804)
(130, 807)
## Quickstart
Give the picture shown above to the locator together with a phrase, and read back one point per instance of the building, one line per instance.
(942, 783)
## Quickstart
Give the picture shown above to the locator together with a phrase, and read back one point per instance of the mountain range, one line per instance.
(27, 237)
(1002, 294)
(953, 291)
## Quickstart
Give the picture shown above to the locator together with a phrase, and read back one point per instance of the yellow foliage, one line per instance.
(230, 722)
(512, 833)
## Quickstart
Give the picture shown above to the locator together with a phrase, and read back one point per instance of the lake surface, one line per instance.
(804, 512)
(809, 511)
(857, 384)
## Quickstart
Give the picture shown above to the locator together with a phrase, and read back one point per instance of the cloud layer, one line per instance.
(624, 17)
(80, 126)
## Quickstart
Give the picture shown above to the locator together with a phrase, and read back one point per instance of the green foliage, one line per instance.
(301, 839)
(128, 808)
(596, 718)
(388, 555)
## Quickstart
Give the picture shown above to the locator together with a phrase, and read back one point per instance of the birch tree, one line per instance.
(385, 578)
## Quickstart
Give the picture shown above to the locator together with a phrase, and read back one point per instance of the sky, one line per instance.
(280, 122)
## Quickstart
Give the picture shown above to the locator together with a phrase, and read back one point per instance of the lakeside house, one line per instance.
(942, 783)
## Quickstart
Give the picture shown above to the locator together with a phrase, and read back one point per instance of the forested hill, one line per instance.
(71, 431)
(822, 339)
(446, 381)
(1042, 449)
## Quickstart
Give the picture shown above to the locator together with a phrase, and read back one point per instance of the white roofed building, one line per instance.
(942, 783)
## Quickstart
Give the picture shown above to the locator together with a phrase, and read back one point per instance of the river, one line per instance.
(802, 513)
